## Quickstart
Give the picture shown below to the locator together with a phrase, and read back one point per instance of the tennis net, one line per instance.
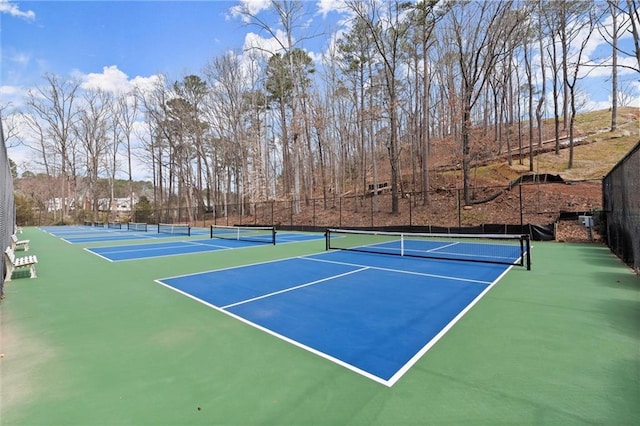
(114, 225)
(137, 226)
(180, 229)
(258, 234)
(506, 249)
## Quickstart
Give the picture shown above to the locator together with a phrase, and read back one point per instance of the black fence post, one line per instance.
(371, 202)
(458, 191)
(521, 204)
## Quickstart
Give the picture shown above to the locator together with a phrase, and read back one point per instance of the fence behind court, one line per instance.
(621, 205)
(7, 205)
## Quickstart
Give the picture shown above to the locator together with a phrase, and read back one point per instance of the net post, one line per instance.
(526, 243)
(273, 235)
(210, 231)
(401, 244)
(326, 239)
(158, 227)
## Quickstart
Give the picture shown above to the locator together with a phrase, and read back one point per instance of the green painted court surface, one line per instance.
(94, 342)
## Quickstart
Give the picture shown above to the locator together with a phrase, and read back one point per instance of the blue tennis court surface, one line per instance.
(374, 314)
(89, 234)
(189, 246)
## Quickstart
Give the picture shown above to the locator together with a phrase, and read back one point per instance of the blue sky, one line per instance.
(145, 38)
(115, 42)
(110, 44)
(141, 38)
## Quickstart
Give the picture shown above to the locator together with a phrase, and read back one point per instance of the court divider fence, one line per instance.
(621, 208)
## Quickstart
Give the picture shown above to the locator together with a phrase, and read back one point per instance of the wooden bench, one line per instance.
(378, 188)
(19, 244)
(13, 263)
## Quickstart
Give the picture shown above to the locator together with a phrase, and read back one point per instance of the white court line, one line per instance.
(441, 247)
(401, 371)
(407, 366)
(97, 254)
(149, 248)
(264, 296)
(400, 271)
(280, 336)
(196, 243)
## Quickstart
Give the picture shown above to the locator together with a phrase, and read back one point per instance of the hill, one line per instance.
(550, 190)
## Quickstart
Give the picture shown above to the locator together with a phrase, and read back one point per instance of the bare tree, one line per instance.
(286, 81)
(480, 32)
(579, 28)
(387, 28)
(543, 69)
(153, 103)
(427, 17)
(125, 113)
(227, 112)
(553, 27)
(90, 129)
(54, 106)
(622, 21)
(9, 127)
(633, 12)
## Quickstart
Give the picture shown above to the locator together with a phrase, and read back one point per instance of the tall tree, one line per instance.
(580, 25)
(229, 109)
(355, 52)
(633, 12)
(480, 32)
(288, 77)
(53, 105)
(194, 90)
(153, 102)
(387, 28)
(427, 15)
(125, 114)
(91, 129)
(543, 69)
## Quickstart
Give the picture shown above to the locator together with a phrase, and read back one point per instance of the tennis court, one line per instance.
(232, 238)
(373, 314)
(96, 234)
(93, 342)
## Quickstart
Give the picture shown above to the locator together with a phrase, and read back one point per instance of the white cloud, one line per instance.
(253, 7)
(114, 80)
(12, 9)
(110, 80)
(327, 6)
(603, 69)
(12, 96)
(267, 46)
(146, 84)
(8, 91)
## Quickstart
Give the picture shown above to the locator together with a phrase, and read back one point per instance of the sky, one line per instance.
(111, 44)
(138, 38)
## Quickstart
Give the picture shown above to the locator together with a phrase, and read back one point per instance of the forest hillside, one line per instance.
(513, 192)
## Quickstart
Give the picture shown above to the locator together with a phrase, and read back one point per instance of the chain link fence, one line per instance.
(531, 207)
(621, 208)
(7, 205)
